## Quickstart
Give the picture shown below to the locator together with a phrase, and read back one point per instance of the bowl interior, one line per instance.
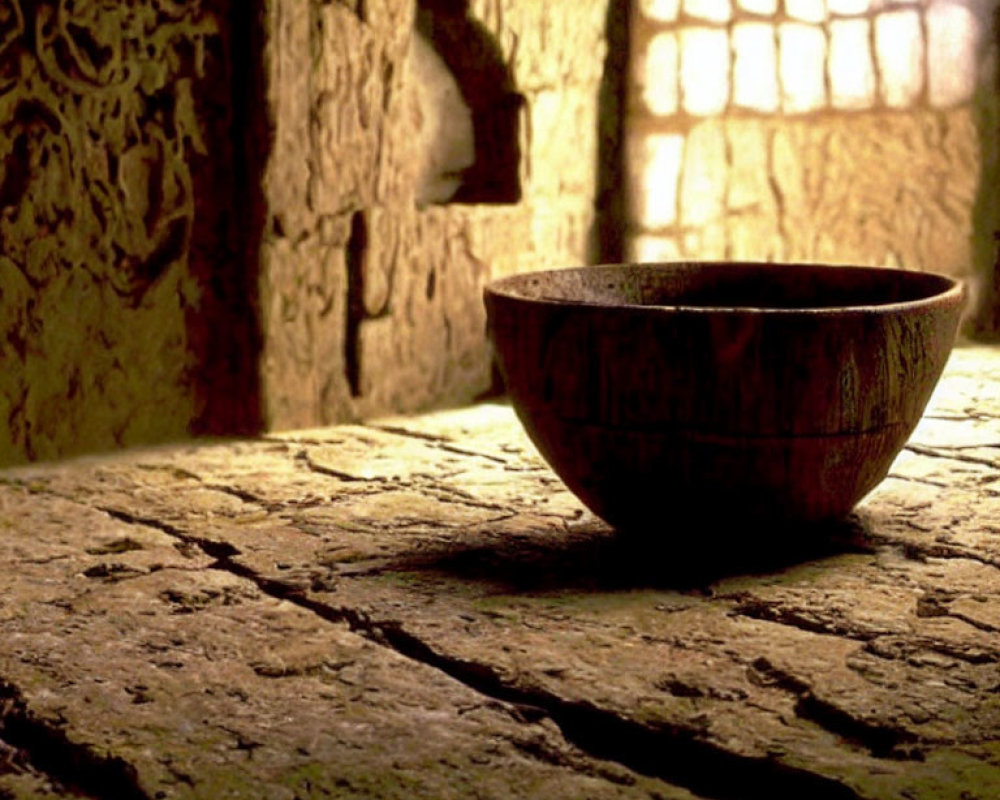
(729, 285)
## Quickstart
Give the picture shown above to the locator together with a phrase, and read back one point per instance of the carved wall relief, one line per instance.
(106, 115)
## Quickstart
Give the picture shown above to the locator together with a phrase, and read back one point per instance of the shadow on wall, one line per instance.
(608, 239)
(472, 150)
(984, 304)
(224, 329)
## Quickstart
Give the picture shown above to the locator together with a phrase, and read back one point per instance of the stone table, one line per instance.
(416, 608)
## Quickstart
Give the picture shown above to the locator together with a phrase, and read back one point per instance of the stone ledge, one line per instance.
(417, 608)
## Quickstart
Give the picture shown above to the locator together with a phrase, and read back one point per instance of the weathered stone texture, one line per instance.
(418, 608)
(110, 145)
(703, 178)
(830, 181)
(880, 123)
(220, 691)
(225, 194)
(371, 303)
(815, 190)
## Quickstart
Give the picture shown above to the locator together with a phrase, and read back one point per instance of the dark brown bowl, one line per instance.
(777, 392)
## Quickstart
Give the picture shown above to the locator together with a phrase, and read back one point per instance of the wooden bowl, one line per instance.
(722, 391)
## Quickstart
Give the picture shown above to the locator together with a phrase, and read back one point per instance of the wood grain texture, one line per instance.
(761, 391)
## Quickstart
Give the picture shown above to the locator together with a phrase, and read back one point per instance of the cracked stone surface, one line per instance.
(418, 608)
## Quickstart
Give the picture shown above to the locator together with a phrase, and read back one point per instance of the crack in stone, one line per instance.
(880, 741)
(773, 612)
(975, 623)
(937, 604)
(451, 448)
(671, 753)
(967, 415)
(541, 749)
(767, 611)
(241, 494)
(116, 572)
(440, 442)
(435, 490)
(954, 454)
(921, 481)
(267, 506)
(894, 649)
(285, 442)
(400, 430)
(303, 457)
(13, 760)
(455, 496)
(953, 448)
(46, 748)
(919, 551)
(217, 550)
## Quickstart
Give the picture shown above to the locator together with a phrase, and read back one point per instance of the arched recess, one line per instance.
(491, 171)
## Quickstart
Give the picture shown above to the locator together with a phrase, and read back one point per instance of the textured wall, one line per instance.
(831, 130)
(113, 122)
(208, 209)
(370, 303)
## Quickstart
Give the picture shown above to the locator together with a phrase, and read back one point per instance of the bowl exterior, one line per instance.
(647, 412)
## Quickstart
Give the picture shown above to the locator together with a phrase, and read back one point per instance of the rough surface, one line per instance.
(115, 182)
(860, 134)
(418, 608)
(816, 189)
(227, 197)
(370, 300)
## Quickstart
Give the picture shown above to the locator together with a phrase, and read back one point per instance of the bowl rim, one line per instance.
(953, 289)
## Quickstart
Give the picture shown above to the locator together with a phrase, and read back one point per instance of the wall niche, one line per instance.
(472, 106)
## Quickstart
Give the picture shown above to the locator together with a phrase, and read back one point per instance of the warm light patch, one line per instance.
(851, 68)
(801, 67)
(755, 114)
(704, 70)
(755, 73)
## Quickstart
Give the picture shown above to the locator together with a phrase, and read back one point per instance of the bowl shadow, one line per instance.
(595, 557)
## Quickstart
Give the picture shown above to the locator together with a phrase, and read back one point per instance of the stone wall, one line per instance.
(831, 130)
(117, 271)
(214, 216)
(369, 301)
(209, 214)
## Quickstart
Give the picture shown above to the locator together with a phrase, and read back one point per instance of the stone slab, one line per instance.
(418, 607)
